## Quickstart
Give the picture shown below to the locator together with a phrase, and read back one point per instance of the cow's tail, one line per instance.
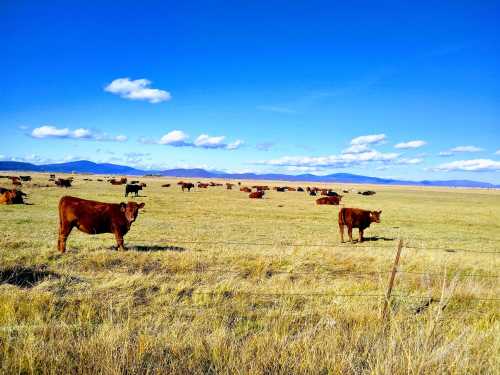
(342, 216)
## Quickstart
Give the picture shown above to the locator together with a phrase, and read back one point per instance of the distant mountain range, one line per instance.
(85, 166)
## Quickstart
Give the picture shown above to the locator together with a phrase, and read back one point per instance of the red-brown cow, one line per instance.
(246, 189)
(11, 196)
(93, 217)
(329, 200)
(356, 218)
(187, 185)
(256, 194)
(203, 186)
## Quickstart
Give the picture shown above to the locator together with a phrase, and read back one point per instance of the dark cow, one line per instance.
(329, 200)
(229, 186)
(246, 189)
(12, 196)
(99, 179)
(356, 218)
(134, 182)
(312, 193)
(367, 192)
(25, 178)
(93, 217)
(331, 193)
(129, 188)
(280, 189)
(63, 182)
(165, 185)
(256, 194)
(300, 189)
(187, 185)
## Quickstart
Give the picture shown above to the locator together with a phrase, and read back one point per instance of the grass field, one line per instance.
(214, 282)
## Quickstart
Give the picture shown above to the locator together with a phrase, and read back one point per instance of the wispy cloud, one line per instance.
(178, 138)
(277, 109)
(466, 149)
(368, 139)
(49, 131)
(473, 165)
(410, 144)
(137, 90)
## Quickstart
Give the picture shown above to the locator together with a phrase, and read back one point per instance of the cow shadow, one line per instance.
(150, 248)
(377, 238)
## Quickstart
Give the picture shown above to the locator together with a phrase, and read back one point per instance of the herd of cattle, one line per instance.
(94, 217)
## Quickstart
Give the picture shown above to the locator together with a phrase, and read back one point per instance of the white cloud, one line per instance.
(178, 138)
(206, 141)
(49, 131)
(332, 161)
(175, 138)
(466, 149)
(411, 144)
(498, 152)
(411, 161)
(474, 165)
(356, 149)
(137, 90)
(445, 153)
(368, 139)
(235, 145)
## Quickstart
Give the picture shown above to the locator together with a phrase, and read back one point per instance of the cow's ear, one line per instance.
(380, 212)
(141, 205)
(123, 206)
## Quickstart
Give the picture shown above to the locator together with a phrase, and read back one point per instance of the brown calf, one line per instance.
(356, 218)
(93, 217)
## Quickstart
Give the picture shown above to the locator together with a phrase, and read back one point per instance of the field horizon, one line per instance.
(213, 282)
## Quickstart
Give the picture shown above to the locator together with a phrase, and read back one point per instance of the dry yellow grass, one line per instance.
(214, 282)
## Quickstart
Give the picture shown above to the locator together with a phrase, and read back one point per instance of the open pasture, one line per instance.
(214, 282)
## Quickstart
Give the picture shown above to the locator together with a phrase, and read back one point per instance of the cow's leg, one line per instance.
(341, 230)
(349, 232)
(119, 241)
(360, 235)
(64, 231)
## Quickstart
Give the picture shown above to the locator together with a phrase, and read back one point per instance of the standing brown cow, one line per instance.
(93, 217)
(356, 218)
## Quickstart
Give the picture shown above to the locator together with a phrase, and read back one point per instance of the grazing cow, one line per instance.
(280, 189)
(203, 186)
(115, 182)
(246, 189)
(291, 189)
(356, 218)
(93, 217)
(11, 196)
(63, 182)
(312, 193)
(187, 185)
(300, 189)
(229, 186)
(329, 200)
(25, 178)
(256, 194)
(367, 192)
(132, 189)
(165, 185)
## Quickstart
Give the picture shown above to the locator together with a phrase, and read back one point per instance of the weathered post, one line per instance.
(391, 280)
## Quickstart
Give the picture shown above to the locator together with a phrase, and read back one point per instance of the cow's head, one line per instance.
(131, 210)
(375, 216)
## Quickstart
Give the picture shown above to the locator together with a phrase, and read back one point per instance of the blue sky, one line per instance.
(392, 89)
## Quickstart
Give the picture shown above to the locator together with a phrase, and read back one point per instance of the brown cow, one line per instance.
(260, 187)
(63, 182)
(165, 185)
(256, 194)
(229, 186)
(290, 188)
(202, 185)
(329, 200)
(93, 217)
(246, 189)
(356, 218)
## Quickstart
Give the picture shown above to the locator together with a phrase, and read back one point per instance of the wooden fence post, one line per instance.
(391, 280)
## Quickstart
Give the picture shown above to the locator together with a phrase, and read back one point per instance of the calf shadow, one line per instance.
(25, 277)
(149, 248)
